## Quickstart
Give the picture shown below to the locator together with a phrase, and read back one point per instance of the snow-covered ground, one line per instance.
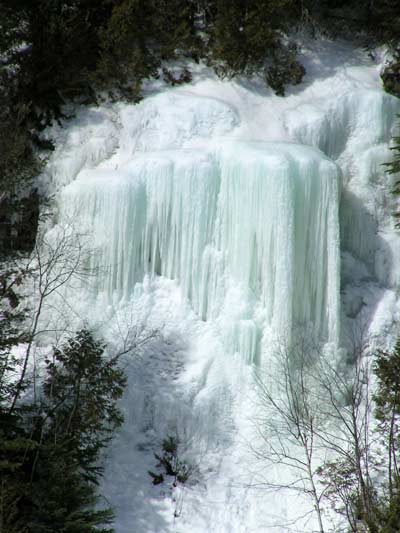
(221, 215)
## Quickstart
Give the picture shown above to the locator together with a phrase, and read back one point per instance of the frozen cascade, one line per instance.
(354, 131)
(261, 218)
(363, 117)
(214, 208)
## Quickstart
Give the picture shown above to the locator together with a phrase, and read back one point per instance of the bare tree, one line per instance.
(290, 418)
(346, 405)
(316, 419)
(57, 258)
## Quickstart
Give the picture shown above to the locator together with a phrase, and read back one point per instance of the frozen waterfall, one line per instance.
(261, 218)
(223, 217)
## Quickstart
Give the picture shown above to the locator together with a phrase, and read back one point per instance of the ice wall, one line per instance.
(354, 131)
(247, 229)
(258, 219)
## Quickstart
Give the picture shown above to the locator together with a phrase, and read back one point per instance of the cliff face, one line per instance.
(223, 217)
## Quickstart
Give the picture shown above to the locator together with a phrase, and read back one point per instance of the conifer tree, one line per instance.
(394, 168)
(15, 442)
(387, 399)
(384, 20)
(228, 39)
(125, 53)
(174, 25)
(50, 448)
(246, 38)
(80, 391)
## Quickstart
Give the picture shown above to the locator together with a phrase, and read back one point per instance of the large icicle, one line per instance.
(258, 218)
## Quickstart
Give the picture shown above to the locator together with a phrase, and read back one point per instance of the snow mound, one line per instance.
(169, 120)
(90, 138)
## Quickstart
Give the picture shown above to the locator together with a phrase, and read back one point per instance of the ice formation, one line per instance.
(261, 217)
(224, 216)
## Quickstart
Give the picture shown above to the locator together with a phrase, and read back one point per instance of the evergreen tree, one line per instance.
(384, 21)
(19, 165)
(246, 38)
(80, 391)
(394, 166)
(391, 514)
(125, 54)
(15, 442)
(59, 498)
(387, 399)
(174, 23)
(228, 39)
(371, 21)
(50, 449)
(53, 47)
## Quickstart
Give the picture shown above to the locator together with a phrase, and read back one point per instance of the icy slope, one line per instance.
(213, 210)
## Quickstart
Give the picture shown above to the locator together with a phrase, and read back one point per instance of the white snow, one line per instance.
(213, 211)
